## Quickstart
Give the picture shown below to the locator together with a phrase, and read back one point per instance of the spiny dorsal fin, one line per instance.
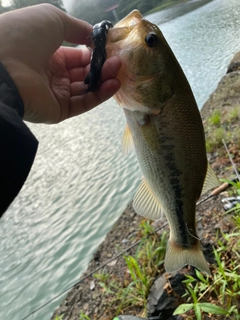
(145, 203)
(127, 141)
(211, 180)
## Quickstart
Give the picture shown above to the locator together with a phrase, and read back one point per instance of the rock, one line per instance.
(166, 295)
(92, 285)
(208, 253)
(85, 307)
(225, 225)
(234, 64)
(112, 263)
(167, 291)
(97, 256)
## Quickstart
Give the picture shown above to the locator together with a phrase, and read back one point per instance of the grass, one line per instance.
(222, 126)
(218, 133)
(217, 296)
(141, 271)
(222, 289)
(234, 114)
(215, 141)
(59, 317)
(82, 316)
(215, 118)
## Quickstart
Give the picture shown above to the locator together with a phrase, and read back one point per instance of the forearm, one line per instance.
(18, 145)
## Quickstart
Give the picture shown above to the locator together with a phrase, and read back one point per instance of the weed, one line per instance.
(198, 307)
(215, 118)
(234, 114)
(59, 317)
(215, 140)
(222, 289)
(236, 190)
(83, 316)
(142, 269)
(146, 228)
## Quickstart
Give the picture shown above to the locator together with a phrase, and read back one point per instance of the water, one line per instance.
(80, 183)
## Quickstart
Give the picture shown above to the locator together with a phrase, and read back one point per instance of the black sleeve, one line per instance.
(18, 145)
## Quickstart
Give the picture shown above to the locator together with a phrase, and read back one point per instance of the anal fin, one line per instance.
(145, 203)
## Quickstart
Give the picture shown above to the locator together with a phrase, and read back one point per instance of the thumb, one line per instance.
(74, 30)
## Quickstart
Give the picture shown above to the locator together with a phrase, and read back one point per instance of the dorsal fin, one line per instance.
(145, 203)
(127, 141)
(211, 180)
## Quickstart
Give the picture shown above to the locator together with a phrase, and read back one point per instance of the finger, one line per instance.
(76, 57)
(78, 74)
(110, 70)
(75, 30)
(84, 103)
(78, 88)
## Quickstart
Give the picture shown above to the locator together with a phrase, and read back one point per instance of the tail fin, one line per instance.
(177, 257)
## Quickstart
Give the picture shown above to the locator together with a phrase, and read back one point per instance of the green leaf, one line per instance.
(183, 308)
(192, 292)
(200, 276)
(212, 308)
(197, 312)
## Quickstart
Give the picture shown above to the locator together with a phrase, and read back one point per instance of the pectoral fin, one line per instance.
(145, 203)
(211, 180)
(127, 141)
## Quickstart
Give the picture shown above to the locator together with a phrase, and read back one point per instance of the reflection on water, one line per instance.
(204, 41)
(80, 182)
(177, 11)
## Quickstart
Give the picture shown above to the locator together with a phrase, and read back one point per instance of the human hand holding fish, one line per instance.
(164, 126)
(50, 77)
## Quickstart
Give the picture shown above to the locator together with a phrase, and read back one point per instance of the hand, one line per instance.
(49, 77)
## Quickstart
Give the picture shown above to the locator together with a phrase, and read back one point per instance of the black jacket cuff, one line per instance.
(18, 146)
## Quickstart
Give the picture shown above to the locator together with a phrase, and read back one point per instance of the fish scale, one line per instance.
(164, 126)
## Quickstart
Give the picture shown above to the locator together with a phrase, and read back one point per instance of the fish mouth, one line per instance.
(130, 20)
(124, 27)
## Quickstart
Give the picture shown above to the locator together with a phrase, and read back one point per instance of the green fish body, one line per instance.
(165, 127)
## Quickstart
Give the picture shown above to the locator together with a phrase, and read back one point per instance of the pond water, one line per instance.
(80, 183)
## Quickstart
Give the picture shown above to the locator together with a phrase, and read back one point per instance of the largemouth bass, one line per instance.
(165, 127)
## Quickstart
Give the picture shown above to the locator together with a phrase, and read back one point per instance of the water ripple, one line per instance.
(80, 182)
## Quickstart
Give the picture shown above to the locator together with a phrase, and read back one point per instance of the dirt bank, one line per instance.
(220, 116)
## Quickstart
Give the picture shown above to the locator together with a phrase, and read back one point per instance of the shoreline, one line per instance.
(87, 297)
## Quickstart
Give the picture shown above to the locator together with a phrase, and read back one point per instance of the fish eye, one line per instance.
(151, 39)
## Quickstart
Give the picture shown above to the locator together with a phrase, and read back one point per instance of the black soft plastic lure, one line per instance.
(99, 38)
